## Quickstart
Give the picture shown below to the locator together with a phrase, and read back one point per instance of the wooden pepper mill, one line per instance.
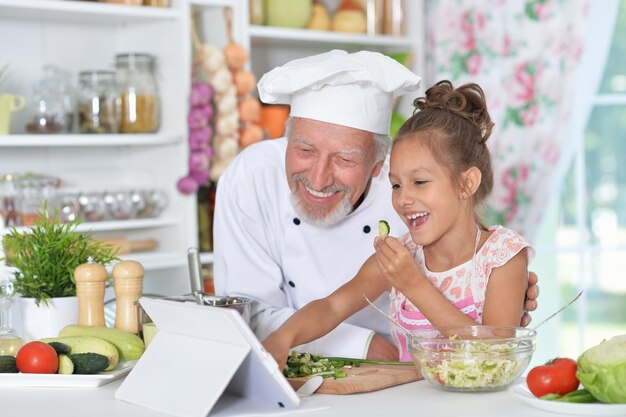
(128, 284)
(90, 282)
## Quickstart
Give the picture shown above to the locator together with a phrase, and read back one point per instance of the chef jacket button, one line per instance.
(291, 284)
(366, 229)
(296, 221)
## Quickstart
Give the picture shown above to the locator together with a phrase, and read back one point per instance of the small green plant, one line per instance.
(47, 254)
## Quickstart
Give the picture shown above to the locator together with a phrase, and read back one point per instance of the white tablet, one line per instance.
(199, 353)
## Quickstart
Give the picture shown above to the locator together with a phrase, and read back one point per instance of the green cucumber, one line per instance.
(61, 348)
(129, 345)
(66, 366)
(88, 363)
(84, 344)
(383, 228)
(7, 364)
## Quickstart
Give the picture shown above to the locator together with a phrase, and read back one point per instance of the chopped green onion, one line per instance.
(307, 364)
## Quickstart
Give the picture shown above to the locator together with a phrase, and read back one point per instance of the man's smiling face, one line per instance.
(328, 169)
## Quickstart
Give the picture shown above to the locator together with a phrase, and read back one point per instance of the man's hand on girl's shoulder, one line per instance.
(532, 294)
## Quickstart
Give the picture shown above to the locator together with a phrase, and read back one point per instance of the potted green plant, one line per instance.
(45, 256)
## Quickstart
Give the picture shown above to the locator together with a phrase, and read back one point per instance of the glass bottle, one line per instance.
(138, 92)
(10, 341)
(51, 104)
(257, 12)
(97, 102)
(204, 221)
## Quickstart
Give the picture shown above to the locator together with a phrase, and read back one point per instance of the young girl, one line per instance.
(449, 269)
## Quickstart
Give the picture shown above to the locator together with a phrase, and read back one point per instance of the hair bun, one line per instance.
(467, 101)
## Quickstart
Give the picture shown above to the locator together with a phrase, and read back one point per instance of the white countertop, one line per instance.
(413, 399)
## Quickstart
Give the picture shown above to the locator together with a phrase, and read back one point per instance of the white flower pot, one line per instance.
(39, 321)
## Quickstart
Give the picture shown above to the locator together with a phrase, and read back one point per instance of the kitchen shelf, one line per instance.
(84, 140)
(267, 35)
(158, 260)
(105, 226)
(129, 224)
(211, 3)
(83, 12)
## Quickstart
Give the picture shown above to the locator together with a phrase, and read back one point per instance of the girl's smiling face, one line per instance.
(423, 192)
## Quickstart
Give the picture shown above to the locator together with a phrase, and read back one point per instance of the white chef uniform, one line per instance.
(262, 248)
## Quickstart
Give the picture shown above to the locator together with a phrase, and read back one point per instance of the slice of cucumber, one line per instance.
(66, 366)
(383, 228)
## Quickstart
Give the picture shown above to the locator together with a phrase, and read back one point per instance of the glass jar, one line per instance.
(51, 105)
(257, 12)
(97, 102)
(156, 3)
(8, 200)
(138, 93)
(35, 190)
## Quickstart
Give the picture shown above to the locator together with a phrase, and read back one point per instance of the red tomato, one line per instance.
(555, 377)
(37, 358)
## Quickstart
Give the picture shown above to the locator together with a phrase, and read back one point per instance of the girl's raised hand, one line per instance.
(396, 263)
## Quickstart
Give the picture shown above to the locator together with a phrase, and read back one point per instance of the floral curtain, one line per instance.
(524, 55)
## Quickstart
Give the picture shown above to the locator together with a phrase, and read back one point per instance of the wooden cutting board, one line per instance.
(365, 378)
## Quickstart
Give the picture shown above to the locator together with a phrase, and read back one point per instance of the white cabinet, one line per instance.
(76, 36)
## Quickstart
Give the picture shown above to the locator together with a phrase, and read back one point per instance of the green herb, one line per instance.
(308, 364)
(357, 362)
(578, 396)
(47, 254)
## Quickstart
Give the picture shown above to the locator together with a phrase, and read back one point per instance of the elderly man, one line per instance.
(296, 217)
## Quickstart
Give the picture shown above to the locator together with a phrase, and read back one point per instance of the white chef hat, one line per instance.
(354, 90)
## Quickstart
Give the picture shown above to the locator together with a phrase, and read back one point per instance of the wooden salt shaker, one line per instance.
(90, 282)
(128, 284)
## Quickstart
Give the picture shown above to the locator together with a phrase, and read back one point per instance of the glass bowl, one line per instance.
(472, 358)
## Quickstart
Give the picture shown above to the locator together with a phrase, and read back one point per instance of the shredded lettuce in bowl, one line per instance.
(472, 365)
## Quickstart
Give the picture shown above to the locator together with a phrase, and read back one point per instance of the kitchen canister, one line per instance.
(138, 93)
(50, 106)
(97, 102)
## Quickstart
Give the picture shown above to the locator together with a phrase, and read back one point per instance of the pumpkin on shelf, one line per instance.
(320, 18)
(350, 17)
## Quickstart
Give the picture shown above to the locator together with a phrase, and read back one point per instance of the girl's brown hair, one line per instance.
(453, 123)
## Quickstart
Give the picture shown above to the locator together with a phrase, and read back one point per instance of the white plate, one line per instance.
(575, 409)
(65, 381)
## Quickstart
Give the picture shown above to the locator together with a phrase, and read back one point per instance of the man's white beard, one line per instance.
(319, 217)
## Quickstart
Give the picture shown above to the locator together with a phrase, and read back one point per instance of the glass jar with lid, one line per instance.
(51, 104)
(97, 102)
(34, 191)
(138, 93)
